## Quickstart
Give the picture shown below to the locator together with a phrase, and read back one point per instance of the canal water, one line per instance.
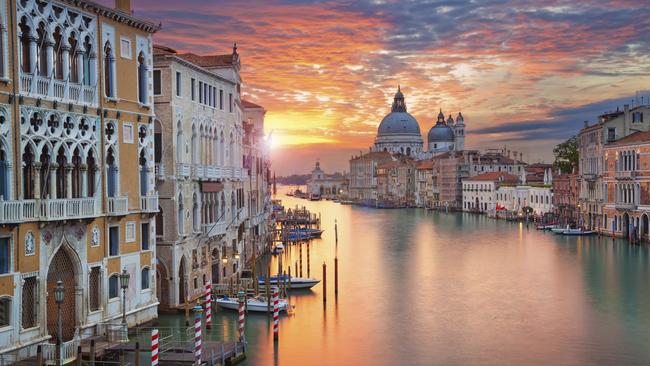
(418, 287)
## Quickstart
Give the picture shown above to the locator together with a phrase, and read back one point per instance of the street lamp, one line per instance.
(236, 255)
(59, 292)
(224, 257)
(124, 284)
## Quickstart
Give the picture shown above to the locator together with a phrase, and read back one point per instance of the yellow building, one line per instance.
(76, 169)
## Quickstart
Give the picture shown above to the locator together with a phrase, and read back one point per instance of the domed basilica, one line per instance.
(399, 132)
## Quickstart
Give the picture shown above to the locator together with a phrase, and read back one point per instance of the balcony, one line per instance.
(214, 229)
(625, 206)
(149, 203)
(589, 177)
(183, 170)
(118, 206)
(198, 171)
(160, 171)
(53, 89)
(67, 352)
(626, 174)
(47, 210)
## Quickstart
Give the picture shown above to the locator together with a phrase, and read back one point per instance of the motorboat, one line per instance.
(296, 282)
(304, 234)
(314, 197)
(257, 303)
(278, 248)
(546, 227)
(578, 232)
(560, 230)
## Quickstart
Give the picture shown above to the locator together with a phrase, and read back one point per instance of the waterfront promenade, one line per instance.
(428, 288)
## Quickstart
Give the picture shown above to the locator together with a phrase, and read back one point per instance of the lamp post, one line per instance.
(59, 292)
(124, 284)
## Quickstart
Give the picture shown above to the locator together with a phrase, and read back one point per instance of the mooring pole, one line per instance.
(336, 276)
(92, 352)
(324, 283)
(336, 232)
(308, 269)
(39, 355)
(268, 290)
(137, 353)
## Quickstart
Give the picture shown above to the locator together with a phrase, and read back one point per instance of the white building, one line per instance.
(480, 192)
(325, 184)
(515, 198)
(446, 135)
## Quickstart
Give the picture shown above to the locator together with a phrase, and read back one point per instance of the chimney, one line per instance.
(626, 109)
(586, 124)
(123, 6)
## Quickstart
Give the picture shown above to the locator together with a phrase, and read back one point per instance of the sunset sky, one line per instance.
(523, 75)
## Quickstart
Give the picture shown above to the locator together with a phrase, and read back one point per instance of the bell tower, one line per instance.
(459, 133)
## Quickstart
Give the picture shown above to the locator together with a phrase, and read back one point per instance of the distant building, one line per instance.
(565, 198)
(363, 175)
(479, 192)
(426, 190)
(325, 184)
(395, 183)
(399, 132)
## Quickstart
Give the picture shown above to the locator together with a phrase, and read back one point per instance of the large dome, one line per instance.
(441, 132)
(398, 123)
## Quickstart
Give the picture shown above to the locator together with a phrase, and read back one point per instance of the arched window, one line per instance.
(90, 176)
(157, 141)
(111, 175)
(145, 278)
(75, 59)
(142, 79)
(221, 149)
(28, 173)
(196, 213)
(194, 146)
(76, 174)
(181, 215)
(109, 70)
(87, 63)
(4, 172)
(223, 206)
(179, 142)
(159, 222)
(61, 185)
(25, 46)
(113, 286)
(42, 45)
(60, 52)
(232, 150)
(144, 184)
(233, 205)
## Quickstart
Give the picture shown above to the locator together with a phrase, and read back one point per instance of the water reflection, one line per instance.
(423, 288)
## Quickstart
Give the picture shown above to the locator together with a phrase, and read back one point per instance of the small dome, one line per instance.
(460, 118)
(398, 123)
(440, 132)
(450, 121)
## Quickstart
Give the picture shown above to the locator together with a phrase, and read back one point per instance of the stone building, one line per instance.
(328, 185)
(199, 171)
(565, 198)
(426, 185)
(363, 175)
(479, 192)
(396, 183)
(627, 183)
(399, 131)
(77, 171)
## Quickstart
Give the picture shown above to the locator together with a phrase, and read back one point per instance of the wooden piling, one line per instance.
(308, 269)
(92, 352)
(289, 278)
(336, 276)
(187, 312)
(324, 283)
(301, 260)
(121, 358)
(137, 353)
(336, 232)
(79, 361)
(296, 268)
(267, 285)
(39, 355)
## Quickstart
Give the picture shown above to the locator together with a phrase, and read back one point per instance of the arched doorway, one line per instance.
(62, 268)
(162, 285)
(626, 226)
(182, 292)
(644, 227)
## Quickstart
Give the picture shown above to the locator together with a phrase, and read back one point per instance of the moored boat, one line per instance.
(296, 282)
(257, 303)
(560, 230)
(578, 232)
(278, 248)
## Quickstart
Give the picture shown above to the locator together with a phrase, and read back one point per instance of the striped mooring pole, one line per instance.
(197, 337)
(154, 347)
(208, 305)
(276, 312)
(242, 298)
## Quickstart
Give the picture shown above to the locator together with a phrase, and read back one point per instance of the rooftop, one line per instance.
(495, 177)
(635, 138)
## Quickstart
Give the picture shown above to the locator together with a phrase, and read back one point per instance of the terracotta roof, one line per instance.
(389, 164)
(424, 164)
(248, 104)
(374, 155)
(159, 49)
(635, 138)
(208, 60)
(495, 176)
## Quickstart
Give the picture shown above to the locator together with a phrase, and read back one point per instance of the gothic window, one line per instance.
(111, 178)
(61, 186)
(58, 54)
(90, 177)
(87, 64)
(157, 141)
(181, 216)
(179, 142)
(113, 241)
(45, 180)
(144, 236)
(196, 213)
(233, 206)
(113, 287)
(194, 147)
(29, 303)
(28, 173)
(221, 149)
(231, 149)
(94, 288)
(25, 50)
(76, 174)
(42, 45)
(74, 60)
(109, 70)
(4, 171)
(5, 311)
(142, 79)
(5, 255)
(144, 184)
(145, 278)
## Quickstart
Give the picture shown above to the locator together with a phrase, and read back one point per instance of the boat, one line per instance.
(314, 197)
(257, 303)
(304, 234)
(560, 230)
(578, 232)
(296, 282)
(346, 202)
(546, 227)
(278, 248)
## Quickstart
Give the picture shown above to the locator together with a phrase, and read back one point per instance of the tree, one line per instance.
(566, 155)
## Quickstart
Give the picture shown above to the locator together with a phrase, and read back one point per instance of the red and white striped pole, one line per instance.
(154, 347)
(242, 320)
(208, 305)
(276, 312)
(197, 338)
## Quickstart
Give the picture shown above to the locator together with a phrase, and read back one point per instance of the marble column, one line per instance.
(84, 180)
(65, 62)
(68, 180)
(53, 168)
(37, 179)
